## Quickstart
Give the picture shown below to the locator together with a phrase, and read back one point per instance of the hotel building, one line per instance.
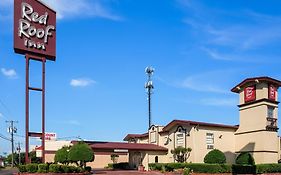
(257, 133)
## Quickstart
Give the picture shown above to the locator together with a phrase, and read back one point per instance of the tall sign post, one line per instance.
(34, 37)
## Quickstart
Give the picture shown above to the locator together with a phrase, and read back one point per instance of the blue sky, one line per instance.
(200, 49)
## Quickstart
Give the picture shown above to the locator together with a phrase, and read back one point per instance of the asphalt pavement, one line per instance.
(8, 171)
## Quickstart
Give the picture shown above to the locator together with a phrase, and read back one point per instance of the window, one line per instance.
(270, 112)
(180, 139)
(210, 140)
(153, 137)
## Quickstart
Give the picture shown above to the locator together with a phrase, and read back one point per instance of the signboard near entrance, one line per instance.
(34, 29)
(250, 93)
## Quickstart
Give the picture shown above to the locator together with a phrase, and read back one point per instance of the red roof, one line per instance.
(124, 145)
(236, 89)
(188, 122)
(130, 136)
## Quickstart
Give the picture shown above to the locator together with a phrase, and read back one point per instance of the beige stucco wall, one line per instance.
(195, 138)
(102, 161)
(223, 140)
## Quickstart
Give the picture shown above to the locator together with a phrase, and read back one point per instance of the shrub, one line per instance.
(215, 157)
(22, 168)
(72, 169)
(66, 169)
(186, 171)
(80, 153)
(109, 166)
(55, 168)
(32, 168)
(245, 158)
(88, 169)
(62, 155)
(268, 168)
(121, 166)
(244, 169)
(43, 168)
(181, 154)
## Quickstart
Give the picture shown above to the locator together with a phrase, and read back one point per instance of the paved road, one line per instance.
(9, 171)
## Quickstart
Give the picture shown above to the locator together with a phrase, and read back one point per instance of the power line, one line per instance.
(5, 138)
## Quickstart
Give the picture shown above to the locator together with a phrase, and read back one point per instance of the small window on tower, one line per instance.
(210, 140)
(270, 112)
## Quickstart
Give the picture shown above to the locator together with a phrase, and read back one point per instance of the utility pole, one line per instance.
(149, 87)
(19, 150)
(12, 129)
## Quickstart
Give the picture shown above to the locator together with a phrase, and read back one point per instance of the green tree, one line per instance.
(32, 156)
(80, 153)
(114, 157)
(215, 157)
(181, 154)
(62, 155)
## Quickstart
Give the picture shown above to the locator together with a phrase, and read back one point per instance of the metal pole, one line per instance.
(27, 110)
(19, 149)
(149, 107)
(43, 109)
(12, 129)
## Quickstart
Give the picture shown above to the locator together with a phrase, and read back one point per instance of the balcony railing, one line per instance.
(271, 124)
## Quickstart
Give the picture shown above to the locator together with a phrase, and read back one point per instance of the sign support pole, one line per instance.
(27, 89)
(27, 110)
(43, 109)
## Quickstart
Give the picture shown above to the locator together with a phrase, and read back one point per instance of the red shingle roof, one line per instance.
(130, 136)
(188, 122)
(124, 145)
(252, 80)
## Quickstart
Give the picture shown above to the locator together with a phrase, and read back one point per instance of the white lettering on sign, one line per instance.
(26, 29)
(249, 92)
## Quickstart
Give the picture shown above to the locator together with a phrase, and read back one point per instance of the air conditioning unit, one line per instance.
(210, 146)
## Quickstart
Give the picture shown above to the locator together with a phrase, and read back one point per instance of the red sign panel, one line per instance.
(34, 28)
(272, 92)
(250, 93)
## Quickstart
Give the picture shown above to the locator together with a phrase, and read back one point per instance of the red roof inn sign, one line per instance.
(34, 28)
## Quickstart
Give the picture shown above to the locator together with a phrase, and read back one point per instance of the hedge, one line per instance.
(32, 168)
(52, 168)
(268, 168)
(121, 166)
(43, 168)
(195, 167)
(218, 168)
(244, 169)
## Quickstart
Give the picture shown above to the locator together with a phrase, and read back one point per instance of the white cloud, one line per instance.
(81, 9)
(73, 122)
(219, 102)
(240, 34)
(1, 115)
(81, 82)
(212, 81)
(10, 73)
(71, 9)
